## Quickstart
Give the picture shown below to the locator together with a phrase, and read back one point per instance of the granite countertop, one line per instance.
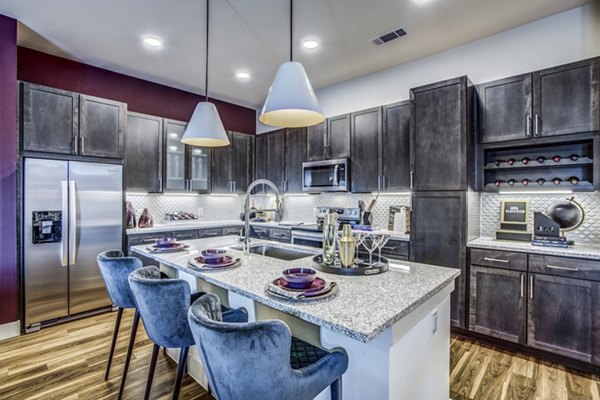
(578, 250)
(363, 307)
(195, 224)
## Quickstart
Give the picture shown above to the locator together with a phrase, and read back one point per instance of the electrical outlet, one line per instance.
(434, 320)
(200, 212)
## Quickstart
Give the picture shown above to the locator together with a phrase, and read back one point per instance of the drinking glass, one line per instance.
(383, 239)
(371, 242)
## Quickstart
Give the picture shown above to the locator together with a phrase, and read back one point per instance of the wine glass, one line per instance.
(360, 237)
(371, 243)
(383, 239)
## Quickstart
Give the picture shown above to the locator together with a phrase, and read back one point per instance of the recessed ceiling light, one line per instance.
(152, 41)
(421, 1)
(310, 44)
(242, 75)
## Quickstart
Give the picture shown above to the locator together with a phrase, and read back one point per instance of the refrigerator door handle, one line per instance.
(64, 262)
(72, 223)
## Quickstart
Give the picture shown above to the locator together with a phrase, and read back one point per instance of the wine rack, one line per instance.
(547, 167)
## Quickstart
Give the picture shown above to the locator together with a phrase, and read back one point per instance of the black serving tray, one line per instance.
(359, 269)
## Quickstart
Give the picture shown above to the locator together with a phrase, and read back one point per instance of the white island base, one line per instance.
(409, 360)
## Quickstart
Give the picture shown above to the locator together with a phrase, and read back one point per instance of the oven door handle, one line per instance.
(336, 173)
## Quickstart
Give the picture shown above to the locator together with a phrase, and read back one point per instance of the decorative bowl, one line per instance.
(213, 256)
(299, 278)
(165, 242)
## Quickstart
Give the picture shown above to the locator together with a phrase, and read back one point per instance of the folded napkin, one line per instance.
(299, 294)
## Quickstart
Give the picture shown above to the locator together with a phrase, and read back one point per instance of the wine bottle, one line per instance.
(541, 159)
(512, 182)
(498, 162)
(574, 157)
(556, 181)
(498, 182)
(511, 161)
(541, 181)
(556, 158)
(574, 180)
(525, 160)
(526, 181)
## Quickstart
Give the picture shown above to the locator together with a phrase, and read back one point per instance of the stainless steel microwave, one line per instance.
(326, 176)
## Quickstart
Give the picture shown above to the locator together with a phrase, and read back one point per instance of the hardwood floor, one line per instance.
(482, 372)
(67, 362)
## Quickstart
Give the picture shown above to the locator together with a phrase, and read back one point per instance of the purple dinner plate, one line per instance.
(316, 285)
(225, 262)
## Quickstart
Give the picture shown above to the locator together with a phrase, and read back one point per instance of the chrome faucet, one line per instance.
(278, 209)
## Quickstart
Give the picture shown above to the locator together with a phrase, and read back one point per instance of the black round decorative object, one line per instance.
(381, 265)
(568, 214)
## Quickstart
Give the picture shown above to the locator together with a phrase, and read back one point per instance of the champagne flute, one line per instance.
(382, 242)
(370, 243)
(360, 237)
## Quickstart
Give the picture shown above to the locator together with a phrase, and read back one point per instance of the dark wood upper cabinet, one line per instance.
(317, 141)
(276, 158)
(242, 161)
(395, 146)
(101, 127)
(566, 99)
(555, 101)
(221, 168)
(198, 168)
(497, 303)
(49, 119)
(295, 155)
(176, 157)
(505, 109)
(441, 153)
(338, 137)
(143, 152)
(365, 163)
(564, 316)
(261, 157)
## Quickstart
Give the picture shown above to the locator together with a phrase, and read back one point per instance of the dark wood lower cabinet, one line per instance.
(497, 303)
(564, 316)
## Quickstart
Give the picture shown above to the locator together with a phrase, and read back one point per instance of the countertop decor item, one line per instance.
(330, 233)
(323, 291)
(568, 214)
(514, 217)
(130, 215)
(146, 220)
(200, 263)
(347, 247)
(291, 102)
(360, 267)
(205, 127)
(299, 278)
(173, 248)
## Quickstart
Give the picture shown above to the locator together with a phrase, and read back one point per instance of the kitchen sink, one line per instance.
(280, 253)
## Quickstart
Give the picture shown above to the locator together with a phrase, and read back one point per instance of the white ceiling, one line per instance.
(253, 35)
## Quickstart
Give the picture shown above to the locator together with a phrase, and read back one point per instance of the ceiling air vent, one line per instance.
(388, 37)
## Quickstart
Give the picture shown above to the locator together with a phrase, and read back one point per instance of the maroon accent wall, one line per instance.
(8, 170)
(140, 95)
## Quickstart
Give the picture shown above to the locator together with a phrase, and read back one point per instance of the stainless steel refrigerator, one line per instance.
(72, 211)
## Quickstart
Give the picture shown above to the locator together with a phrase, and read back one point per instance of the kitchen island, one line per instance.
(395, 326)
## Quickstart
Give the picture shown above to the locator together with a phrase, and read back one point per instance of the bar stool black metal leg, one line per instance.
(155, 350)
(114, 341)
(180, 368)
(134, 327)
(336, 389)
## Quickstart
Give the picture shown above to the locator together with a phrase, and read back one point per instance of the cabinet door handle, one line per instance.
(412, 179)
(562, 268)
(383, 182)
(76, 144)
(388, 248)
(495, 260)
(537, 124)
(522, 285)
(82, 145)
(379, 183)
(528, 132)
(160, 184)
(531, 286)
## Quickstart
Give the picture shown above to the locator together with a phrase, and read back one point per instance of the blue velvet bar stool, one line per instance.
(261, 360)
(163, 305)
(115, 269)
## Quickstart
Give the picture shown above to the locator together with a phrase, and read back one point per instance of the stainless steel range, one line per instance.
(312, 235)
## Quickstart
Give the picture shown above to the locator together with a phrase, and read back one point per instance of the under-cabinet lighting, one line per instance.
(181, 194)
(224, 194)
(136, 193)
(535, 192)
(391, 193)
(295, 194)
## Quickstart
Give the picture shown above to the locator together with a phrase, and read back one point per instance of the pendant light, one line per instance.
(205, 128)
(291, 102)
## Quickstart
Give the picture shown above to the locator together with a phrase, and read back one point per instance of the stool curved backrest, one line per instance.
(163, 305)
(115, 269)
(252, 360)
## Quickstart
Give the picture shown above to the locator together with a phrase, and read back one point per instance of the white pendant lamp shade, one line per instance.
(205, 128)
(291, 102)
